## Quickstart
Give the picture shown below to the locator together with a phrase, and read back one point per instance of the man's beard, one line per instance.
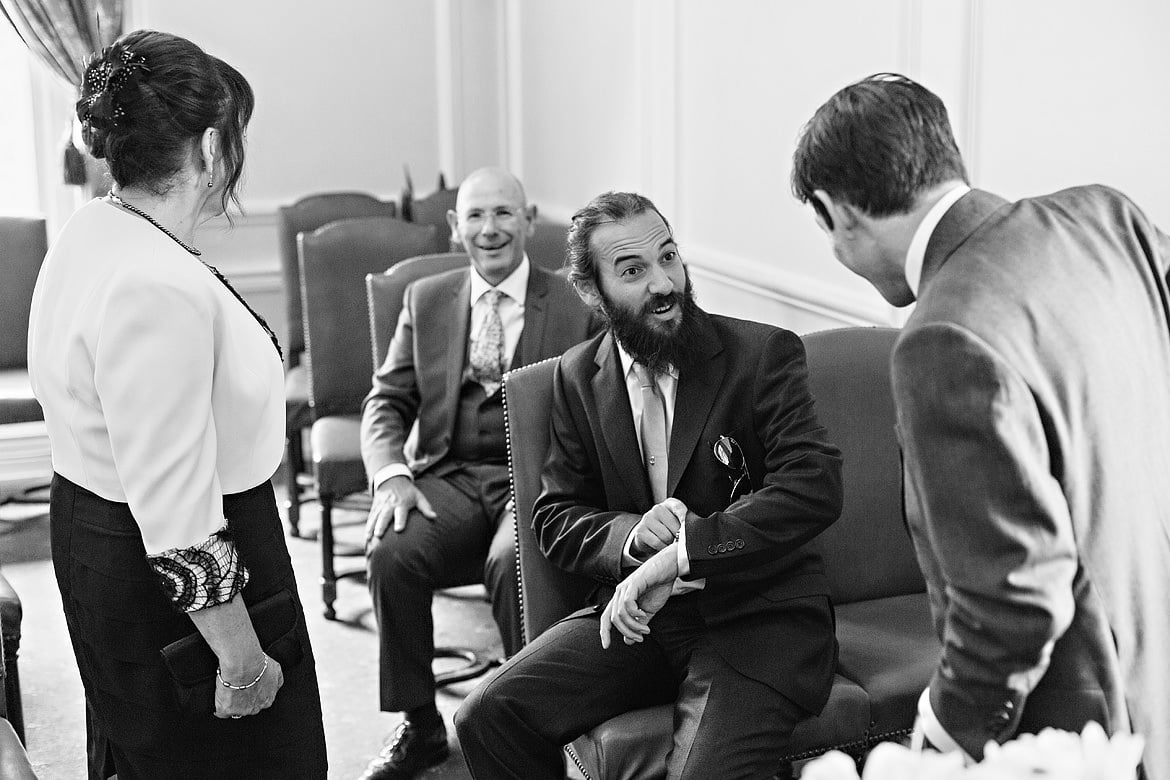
(655, 347)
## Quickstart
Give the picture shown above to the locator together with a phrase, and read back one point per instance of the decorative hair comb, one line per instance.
(104, 81)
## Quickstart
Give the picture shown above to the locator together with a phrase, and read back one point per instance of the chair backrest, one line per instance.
(23, 244)
(546, 246)
(384, 294)
(305, 216)
(867, 552)
(432, 210)
(334, 260)
(547, 593)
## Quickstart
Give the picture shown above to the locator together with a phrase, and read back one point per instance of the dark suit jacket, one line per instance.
(751, 385)
(1033, 392)
(423, 371)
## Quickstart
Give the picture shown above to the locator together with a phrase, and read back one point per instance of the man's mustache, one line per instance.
(658, 301)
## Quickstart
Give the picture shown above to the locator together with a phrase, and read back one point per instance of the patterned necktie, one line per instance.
(654, 445)
(487, 348)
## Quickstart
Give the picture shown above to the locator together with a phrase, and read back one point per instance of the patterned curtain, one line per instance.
(62, 33)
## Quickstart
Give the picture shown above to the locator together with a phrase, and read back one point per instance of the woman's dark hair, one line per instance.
(877, 144)
(146, 100)
(605, 208)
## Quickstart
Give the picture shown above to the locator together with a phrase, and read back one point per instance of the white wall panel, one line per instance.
(1077, 93)
(345, 91)
(580, 98)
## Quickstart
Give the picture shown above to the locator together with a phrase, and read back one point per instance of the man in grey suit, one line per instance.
(446, 499)
(1032, 385)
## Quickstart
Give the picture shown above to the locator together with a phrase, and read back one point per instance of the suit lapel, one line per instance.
(616, 423)
(696, 393)
(532, 336)
(454, 333)
(960, 221)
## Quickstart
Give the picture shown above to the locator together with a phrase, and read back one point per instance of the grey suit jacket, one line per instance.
(1033, 391)
(423, 371)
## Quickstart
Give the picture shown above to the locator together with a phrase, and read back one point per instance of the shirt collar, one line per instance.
(515, 286)
(916, 254)
(628, 361)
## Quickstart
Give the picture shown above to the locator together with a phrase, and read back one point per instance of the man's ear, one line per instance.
(587, 292)
(832, 213)
(530, 215)
(453, 222)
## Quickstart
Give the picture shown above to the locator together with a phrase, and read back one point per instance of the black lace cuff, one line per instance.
(205, 575)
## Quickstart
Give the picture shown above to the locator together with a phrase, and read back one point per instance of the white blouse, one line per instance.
(160, 389)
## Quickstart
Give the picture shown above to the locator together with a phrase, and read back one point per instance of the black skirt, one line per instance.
(119, 618)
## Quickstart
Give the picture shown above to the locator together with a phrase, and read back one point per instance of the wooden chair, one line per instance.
(850, 380)
(432, 210)
(306, 215)
(334, 261)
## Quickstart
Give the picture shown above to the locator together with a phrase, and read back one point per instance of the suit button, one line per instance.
(721, 547)
(711, 549)
(739, 544)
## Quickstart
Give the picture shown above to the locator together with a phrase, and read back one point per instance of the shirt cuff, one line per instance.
(684, 563)
(206, 575)
(628, 558)
(393, 470)
(928, 726)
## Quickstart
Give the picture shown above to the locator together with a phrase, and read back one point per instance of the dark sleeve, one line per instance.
(800, 493)
(572, 528)
(389, 410)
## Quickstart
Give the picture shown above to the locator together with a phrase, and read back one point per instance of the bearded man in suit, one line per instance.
(447, 499)
(687, 474)
(1032, 385)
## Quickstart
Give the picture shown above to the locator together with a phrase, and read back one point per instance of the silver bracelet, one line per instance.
(227, 684)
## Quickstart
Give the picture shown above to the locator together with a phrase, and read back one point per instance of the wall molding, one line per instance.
(512, 94)
(449, 84)
(657, 35)
(790, 289)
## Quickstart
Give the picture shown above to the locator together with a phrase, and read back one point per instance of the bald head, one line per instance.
(492, 220)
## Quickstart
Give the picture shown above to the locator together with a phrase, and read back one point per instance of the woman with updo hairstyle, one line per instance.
(163, 398)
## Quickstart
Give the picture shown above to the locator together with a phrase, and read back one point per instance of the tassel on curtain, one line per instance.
(62, 34)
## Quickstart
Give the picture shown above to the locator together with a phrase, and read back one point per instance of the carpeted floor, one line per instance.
(346, 651)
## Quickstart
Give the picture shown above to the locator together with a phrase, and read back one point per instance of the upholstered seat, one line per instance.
(17, 403)
(888, 646)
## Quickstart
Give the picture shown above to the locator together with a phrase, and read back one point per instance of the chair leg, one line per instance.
(12, 686)
(294, 465)
(328, 573)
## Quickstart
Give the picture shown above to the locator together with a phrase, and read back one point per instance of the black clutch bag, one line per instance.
(192, 663)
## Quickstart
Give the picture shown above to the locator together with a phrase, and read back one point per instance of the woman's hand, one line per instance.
(236, 703)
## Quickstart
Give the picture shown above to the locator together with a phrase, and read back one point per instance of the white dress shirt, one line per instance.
(511, 308)
(668, 387)
(916, 254)
(160, 389)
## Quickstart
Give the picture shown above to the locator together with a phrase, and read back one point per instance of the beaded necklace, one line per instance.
(215, 271)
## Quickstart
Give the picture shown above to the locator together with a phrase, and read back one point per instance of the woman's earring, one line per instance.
(209, 181)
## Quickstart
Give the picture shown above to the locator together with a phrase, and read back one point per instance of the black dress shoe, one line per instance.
(411, 751)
